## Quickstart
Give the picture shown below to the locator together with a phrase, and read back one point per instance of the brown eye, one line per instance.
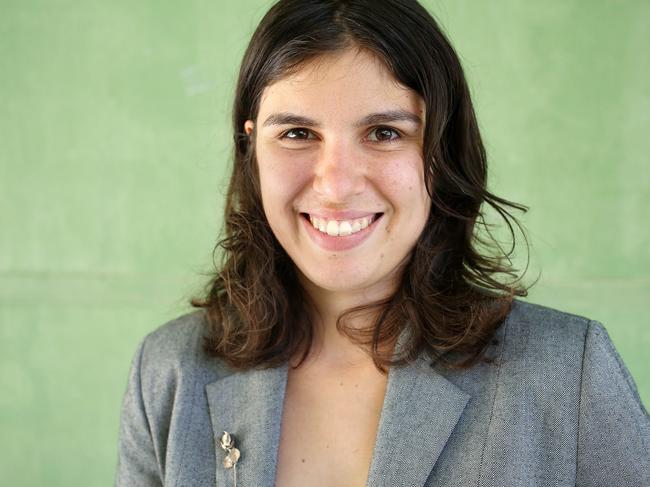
(384, 134)
(296, 134)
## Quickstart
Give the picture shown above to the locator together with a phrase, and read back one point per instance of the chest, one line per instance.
(328, 430)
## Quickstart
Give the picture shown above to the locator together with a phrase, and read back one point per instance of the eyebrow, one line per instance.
(378, 118)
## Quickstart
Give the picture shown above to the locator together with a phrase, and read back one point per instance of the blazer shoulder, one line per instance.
(544, 333)
(177, 338)
(544, 341)
(551, 318)
(174, 353)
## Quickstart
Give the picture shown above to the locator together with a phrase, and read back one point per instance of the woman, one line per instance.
(358, 332)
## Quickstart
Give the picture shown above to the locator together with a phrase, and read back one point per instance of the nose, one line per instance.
(339, 173)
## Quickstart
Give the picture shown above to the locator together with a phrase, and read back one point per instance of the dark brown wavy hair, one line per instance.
(459, 284)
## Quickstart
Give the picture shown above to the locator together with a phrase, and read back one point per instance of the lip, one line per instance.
(347, 242)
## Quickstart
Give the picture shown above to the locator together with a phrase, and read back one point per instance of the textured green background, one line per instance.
(114, 146)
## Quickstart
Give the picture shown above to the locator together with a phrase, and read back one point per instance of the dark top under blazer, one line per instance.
(561, 409)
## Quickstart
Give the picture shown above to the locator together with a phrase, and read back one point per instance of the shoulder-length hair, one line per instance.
(452, 295)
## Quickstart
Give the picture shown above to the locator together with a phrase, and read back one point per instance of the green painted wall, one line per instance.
(114, 146)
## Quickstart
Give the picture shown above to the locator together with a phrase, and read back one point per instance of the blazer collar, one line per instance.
(419, 413)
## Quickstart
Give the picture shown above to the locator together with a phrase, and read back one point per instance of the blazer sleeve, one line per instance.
(137, 463)
(614, 427)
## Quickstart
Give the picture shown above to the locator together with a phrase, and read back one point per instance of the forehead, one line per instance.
(345, 82)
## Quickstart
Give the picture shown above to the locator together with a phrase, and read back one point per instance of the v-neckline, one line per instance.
(329, 416)
(421, 407)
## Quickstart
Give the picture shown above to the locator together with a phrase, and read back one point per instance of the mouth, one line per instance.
(341, 228)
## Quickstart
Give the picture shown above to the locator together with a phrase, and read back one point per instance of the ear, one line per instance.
(249, 125)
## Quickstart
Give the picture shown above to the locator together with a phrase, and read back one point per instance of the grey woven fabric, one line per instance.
(558, 408)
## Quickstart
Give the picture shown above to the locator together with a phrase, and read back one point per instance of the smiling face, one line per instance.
(339, 151)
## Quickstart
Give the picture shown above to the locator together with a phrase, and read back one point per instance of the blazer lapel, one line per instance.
(248, 405)
(420, 411)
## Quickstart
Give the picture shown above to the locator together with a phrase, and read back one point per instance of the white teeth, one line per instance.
(342, 228)
(345, 228)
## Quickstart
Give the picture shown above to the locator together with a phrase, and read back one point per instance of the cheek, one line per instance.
(403, 180)
(282, 178)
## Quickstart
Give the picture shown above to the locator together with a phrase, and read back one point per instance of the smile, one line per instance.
(340, 235)
(341, 228)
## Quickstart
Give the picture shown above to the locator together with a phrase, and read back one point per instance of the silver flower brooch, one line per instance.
(227, 442)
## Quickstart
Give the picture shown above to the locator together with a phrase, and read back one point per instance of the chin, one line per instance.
(348, 283)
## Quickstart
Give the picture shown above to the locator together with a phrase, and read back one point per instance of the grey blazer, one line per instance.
(560, 409)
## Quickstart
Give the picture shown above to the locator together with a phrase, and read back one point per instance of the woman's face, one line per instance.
(339, 150)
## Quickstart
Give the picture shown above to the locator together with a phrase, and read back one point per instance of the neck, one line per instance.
(331, 347)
